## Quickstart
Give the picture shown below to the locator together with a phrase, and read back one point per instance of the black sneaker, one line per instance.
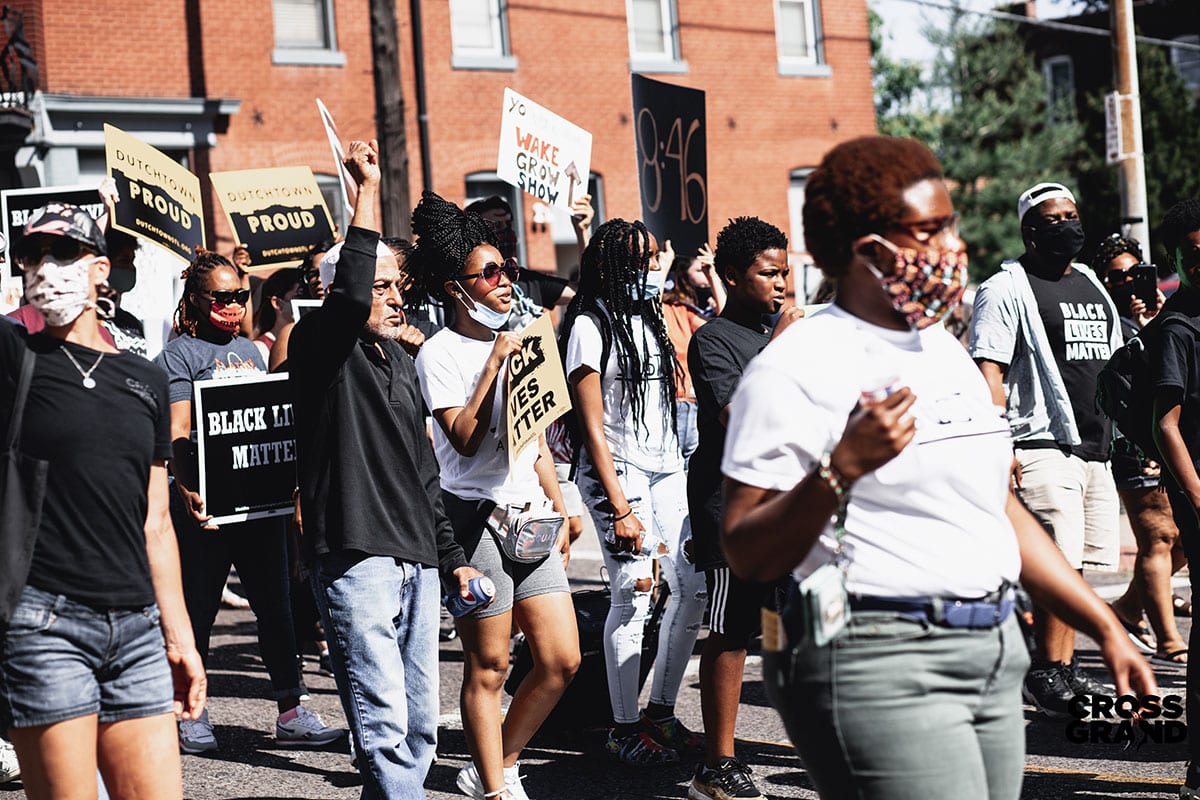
(729, 780)
(1046, 689)
(1082, 683)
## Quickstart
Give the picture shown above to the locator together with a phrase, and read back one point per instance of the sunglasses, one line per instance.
(29, 253)
(228, 298)
(492, 271)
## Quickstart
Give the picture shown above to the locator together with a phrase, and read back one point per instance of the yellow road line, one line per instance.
(1102, 776)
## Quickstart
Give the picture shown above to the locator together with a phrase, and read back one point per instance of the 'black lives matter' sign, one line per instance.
(17, 204)
(246, 446)
(669, 128)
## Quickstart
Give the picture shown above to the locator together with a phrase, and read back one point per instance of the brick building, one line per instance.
(229, 84)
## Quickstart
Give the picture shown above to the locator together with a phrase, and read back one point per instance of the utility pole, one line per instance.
(1134, 211)
(389, 120)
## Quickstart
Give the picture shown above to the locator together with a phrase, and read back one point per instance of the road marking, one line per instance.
(1102, 776)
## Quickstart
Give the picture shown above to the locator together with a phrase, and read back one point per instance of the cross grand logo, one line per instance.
(1127, 720)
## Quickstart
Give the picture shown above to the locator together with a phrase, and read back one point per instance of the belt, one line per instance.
(948, 612)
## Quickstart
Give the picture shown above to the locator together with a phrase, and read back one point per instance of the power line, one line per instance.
(1052, 24)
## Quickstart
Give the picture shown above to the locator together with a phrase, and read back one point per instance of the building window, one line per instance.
(331, 191)
(304, 33)
(562, 229)
(798, 38)
(1187, 62)
(479, 33)
(653, 36)
(1060, 87)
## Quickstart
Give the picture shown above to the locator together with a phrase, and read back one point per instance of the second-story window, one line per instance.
(798, 38)
(479, 33)
(653, 36)
(304, 33)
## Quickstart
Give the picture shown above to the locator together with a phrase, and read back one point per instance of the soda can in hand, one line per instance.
(480, 590)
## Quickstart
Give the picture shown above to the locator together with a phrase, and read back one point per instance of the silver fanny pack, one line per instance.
(526, 534)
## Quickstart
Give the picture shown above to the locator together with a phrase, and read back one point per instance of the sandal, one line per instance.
(1177, 658)
(1139, 633)
(1183, 608)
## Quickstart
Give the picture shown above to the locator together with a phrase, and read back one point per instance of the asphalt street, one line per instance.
(570, 763)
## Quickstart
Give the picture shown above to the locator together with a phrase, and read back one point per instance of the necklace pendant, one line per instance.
(89, 382)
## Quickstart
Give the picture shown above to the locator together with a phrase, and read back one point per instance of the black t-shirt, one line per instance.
(100, 443)
(717, 356)
(1079, 325)
(1177, 368)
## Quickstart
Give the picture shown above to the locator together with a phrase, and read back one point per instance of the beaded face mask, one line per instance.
(925, 285)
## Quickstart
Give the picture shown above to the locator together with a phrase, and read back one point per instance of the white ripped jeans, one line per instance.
(662, 498)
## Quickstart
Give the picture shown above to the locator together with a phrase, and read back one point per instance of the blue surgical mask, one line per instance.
(652, 288)
(487, 317)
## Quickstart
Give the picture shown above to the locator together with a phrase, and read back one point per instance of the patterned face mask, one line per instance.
(925, 284)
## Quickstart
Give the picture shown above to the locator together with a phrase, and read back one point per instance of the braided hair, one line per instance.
(447, 236)
(612, 275)
(1112, 247)
(187, 316)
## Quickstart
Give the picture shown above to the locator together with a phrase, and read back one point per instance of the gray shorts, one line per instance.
(514, 580)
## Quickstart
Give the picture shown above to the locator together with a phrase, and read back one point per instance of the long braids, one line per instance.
(187, 316)
(612, 276)
(447, 236)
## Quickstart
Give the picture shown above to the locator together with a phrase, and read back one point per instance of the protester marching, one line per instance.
(390, 442)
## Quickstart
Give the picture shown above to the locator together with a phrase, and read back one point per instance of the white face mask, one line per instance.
(59, 291)
(487, 317)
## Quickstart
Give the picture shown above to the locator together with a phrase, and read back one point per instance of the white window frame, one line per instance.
(306, 54)
(670, 60)
(810, 65)
(1048, 75)
(1177, 57)
(497, 58)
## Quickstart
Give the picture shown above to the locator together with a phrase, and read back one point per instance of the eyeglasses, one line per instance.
(492, 271)
(228, 298)
(30, 252)
(927, 230)
(1118, 277)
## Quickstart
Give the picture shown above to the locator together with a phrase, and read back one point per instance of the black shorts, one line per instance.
(737, 604)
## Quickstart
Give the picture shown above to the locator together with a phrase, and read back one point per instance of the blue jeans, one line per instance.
(897, 709)
(686, 428)
(381, 621)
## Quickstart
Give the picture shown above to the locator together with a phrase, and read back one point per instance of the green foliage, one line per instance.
(901, 92)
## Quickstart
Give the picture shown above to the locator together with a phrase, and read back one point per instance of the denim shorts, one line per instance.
(62, 660)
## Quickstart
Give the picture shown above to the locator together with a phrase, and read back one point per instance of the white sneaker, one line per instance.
(10, 770)
(196, 735)
(470, 784)
(305, 728)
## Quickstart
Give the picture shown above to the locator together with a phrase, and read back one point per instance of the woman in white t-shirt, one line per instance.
(865, 455)
(462, 369)
(621, 368)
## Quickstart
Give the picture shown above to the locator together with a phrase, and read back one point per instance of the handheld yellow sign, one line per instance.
(537, 387)
(278, 214)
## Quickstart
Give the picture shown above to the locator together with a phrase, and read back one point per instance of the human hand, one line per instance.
(189, 680)
(876, 433)
(241, 257)
(665, 257)
(362, 162)
(1152, 469)
(507, 343)
(786, 318)
(628, 531)
(706, 257)
(1142, 315)
(465, 575)
(582, 212)
(1131, 673)
(195, 505)
(563, 545)
(108, 192)
(1016, 473)
(411, 339)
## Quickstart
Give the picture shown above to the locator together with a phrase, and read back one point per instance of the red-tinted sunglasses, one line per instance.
(492, 271)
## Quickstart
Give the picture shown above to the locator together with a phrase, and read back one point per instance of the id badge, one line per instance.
(826, 606)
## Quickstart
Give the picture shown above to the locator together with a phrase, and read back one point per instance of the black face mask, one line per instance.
(1061, 241)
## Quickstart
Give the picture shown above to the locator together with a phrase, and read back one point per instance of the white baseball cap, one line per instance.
(1036, 195)
(328, 266)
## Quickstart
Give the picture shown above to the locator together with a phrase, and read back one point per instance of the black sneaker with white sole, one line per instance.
(1046, 688)
(729, 780)
(1083, 683)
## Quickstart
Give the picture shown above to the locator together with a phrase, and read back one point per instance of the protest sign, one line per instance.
(301, 306)
(541, 153)
(278, 214)
(158, 199)
(537, 388)
(17, 204)
(246, 446)
(671, 140)
(349, 187)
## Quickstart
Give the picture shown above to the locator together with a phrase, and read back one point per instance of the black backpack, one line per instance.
(1125, 385)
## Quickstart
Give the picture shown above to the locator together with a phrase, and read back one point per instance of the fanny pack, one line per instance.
(525, 534)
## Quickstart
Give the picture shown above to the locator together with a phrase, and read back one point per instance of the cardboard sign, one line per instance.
(301, 306)
(537, 388)
(671, 139)
(246, 446)
(17, 204)
(349, 187)
(278, 214)
(159, 200)
(541, 153)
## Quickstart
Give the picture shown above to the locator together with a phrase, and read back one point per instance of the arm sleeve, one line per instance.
(1172, 364)
(994, 326)
(715, 371)
(585, 346)
(776, 433)
(442, 384)
(174, 363)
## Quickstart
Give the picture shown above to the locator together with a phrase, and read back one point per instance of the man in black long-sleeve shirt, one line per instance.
(375, 532)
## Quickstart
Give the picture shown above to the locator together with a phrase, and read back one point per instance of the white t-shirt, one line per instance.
(449, 366)
(650, 444)
(929, 522)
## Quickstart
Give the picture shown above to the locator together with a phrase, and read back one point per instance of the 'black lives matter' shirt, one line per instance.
(101, 442)
(1079, 325)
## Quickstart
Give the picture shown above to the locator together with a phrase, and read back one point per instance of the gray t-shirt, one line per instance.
(188, 359)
